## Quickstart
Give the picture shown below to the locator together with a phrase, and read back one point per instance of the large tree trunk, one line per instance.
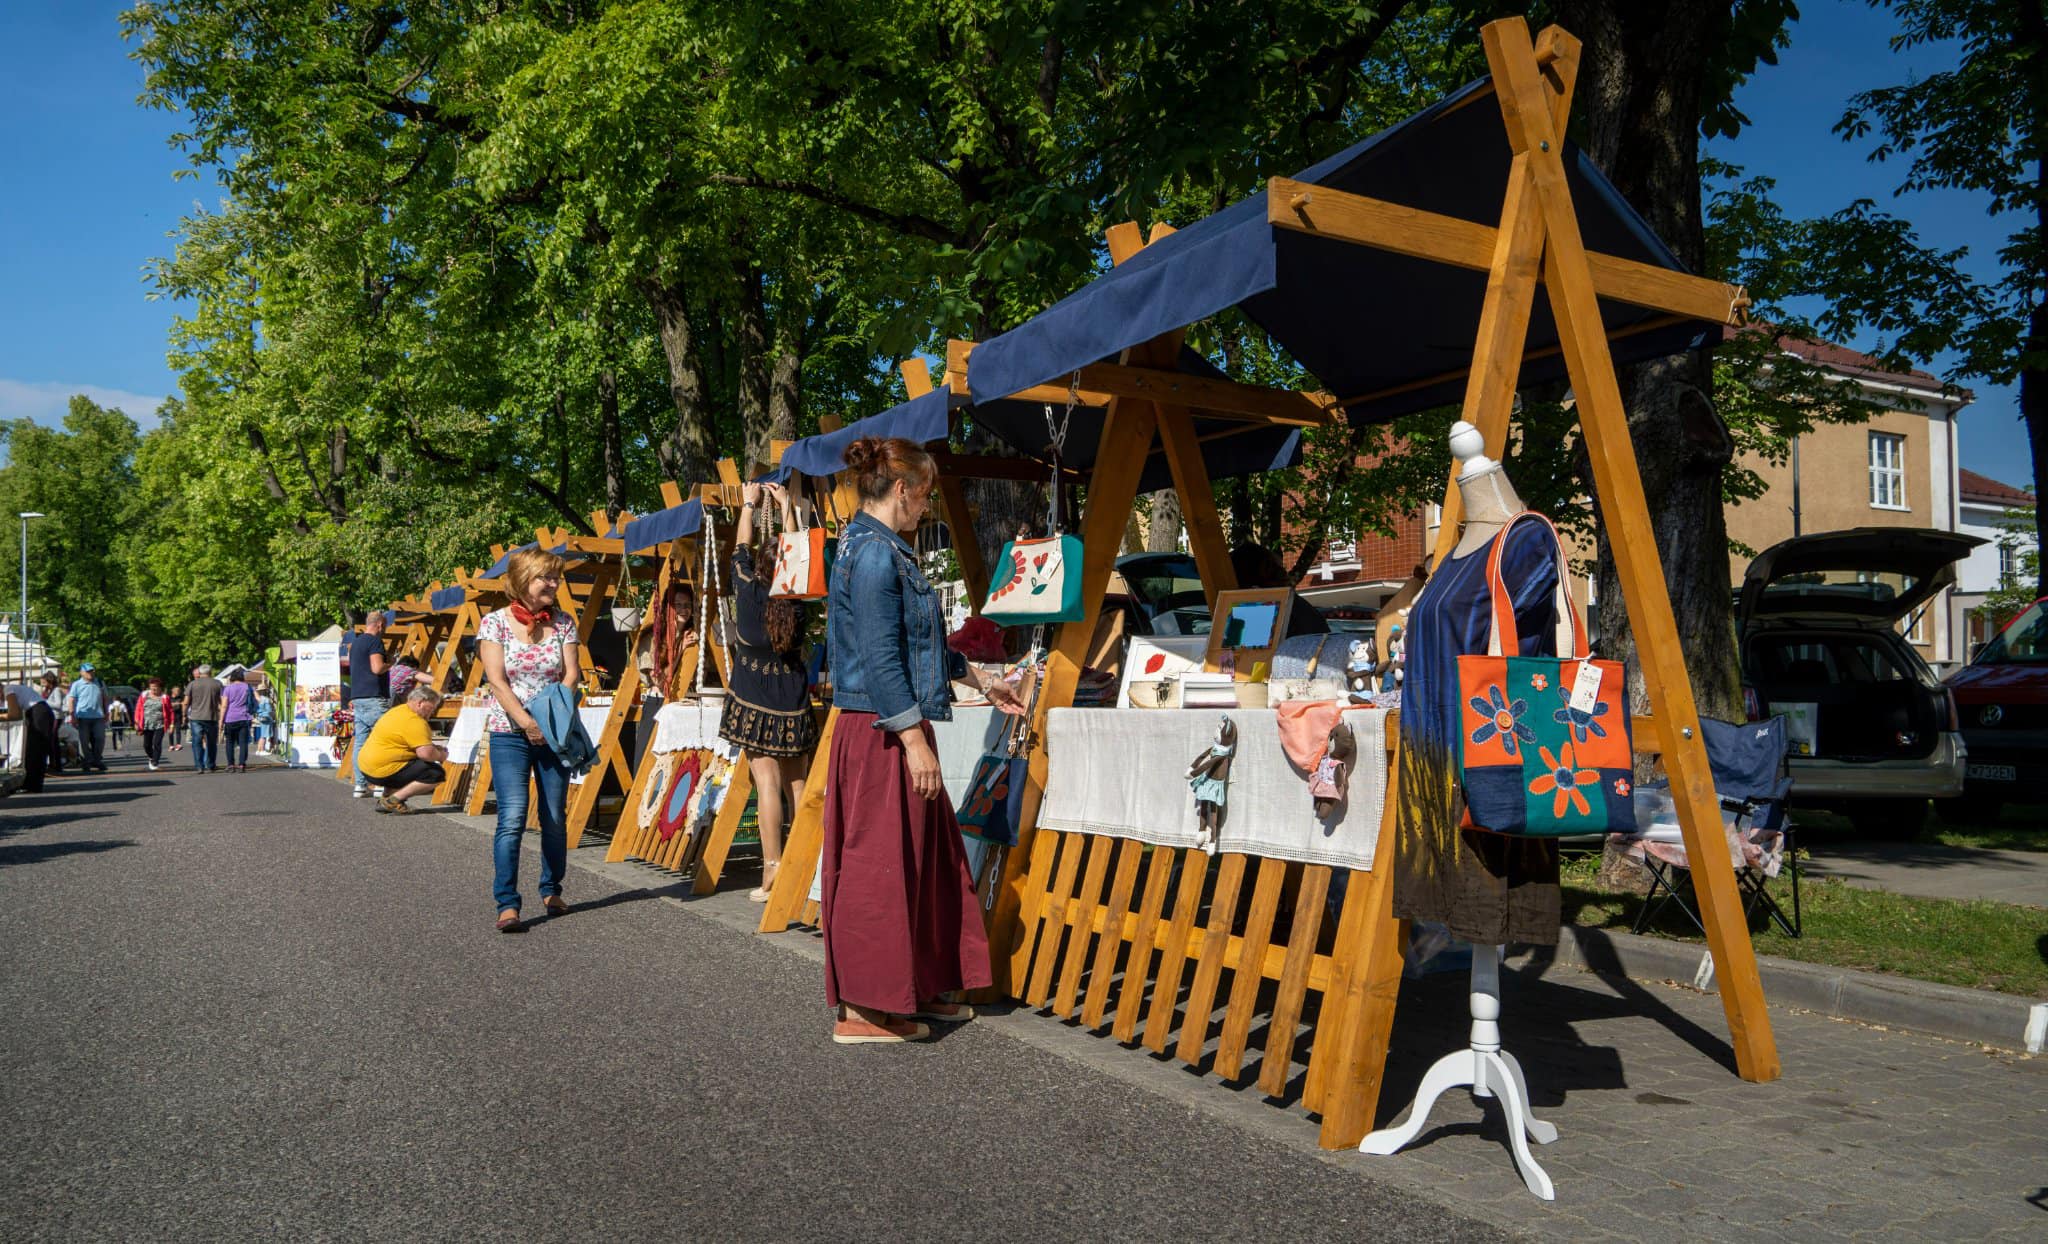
(750, 341)
(613, 441)
(2034, 378)
(1640, 92)
(1162, 530)
(687, 455)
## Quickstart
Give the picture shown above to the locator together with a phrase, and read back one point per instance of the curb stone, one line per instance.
(1979, 1016)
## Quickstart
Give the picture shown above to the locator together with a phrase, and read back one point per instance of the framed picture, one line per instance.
(1248, 625)
(1154, 658)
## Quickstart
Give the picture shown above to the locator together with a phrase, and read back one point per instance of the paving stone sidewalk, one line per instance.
(1931, 870)
(247, 1005)
(1868, 1134)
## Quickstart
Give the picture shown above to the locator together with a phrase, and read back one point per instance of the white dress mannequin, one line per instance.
(1483, 1066)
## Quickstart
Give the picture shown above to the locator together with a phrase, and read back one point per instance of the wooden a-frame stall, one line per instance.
(1071, 904)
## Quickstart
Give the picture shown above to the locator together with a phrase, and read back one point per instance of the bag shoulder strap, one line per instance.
(1502, 636)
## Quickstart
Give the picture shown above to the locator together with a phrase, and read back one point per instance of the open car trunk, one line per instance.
(1847, 694)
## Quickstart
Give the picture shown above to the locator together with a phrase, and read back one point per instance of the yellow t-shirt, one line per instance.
(392, 741)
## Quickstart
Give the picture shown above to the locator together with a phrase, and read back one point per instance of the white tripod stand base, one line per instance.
(1488, 1071)
(1486, 1074)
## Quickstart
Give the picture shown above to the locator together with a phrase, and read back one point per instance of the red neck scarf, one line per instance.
(527, 617)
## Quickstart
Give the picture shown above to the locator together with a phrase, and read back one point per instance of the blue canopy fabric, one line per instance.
(921, 419)
(1230, 447)
(448, 598)
(1365, 322)
(674, 523)
(498, 567)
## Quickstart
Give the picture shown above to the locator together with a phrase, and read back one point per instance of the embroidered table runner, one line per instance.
(1124, 772)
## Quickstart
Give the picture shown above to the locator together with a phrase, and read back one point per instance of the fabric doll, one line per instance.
(1333, 772)
(1209, 776)
(1358, 668)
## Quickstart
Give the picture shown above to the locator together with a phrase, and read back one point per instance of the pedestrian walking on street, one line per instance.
(117, 721)
(52, 691)
(369, 685)
(202, 709)
(153, 718)
(174, 728)
(528, 645)
(237, 714)
(86, 707)
(266, 720)
(25, 704)
(902, 927)
(401, 752)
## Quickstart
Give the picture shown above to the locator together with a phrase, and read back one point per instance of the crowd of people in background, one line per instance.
(71, 726)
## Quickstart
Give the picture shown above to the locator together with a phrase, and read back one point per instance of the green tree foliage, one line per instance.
(1980, 127)
(83, 478)
(482, 265)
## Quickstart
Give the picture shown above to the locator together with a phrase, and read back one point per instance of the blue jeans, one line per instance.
(368, 710)
(205, 735)
(92, 739)
(237, 741)
(513, 761)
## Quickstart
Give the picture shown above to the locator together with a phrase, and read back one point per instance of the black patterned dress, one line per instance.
(767, 699)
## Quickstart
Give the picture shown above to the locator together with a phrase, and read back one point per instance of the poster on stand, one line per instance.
(316, 696)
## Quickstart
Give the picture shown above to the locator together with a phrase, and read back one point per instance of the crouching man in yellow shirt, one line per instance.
(400, 753)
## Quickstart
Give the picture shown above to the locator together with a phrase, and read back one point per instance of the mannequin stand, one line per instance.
(1488, 1071)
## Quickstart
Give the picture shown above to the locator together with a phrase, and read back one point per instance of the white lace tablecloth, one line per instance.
(1123, 771)
(466, 735)
(684, 726)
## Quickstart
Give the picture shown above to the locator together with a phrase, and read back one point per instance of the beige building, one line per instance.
(1897, 470)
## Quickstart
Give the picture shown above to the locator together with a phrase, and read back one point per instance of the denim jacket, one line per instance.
(886, 632)
(554, 711)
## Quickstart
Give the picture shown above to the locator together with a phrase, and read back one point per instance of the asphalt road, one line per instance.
(243, 1006)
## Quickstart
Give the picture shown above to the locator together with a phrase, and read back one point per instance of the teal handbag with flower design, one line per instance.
(1544, 743)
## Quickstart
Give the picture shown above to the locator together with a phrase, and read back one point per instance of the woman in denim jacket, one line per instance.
(901, 924)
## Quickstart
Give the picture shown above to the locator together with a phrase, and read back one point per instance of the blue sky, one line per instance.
(92, 198)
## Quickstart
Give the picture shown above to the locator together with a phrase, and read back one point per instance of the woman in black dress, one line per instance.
(767, 702)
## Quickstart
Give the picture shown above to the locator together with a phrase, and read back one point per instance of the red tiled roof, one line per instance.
(1975, 487)
(1838, 358)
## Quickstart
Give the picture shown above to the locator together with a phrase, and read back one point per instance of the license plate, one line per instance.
(1993, 773)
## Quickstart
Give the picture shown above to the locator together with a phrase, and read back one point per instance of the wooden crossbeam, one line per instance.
(1574, 294)
(1307, 208)
(1210, 396)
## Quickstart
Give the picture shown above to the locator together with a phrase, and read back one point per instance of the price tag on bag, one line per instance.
(1586, 688)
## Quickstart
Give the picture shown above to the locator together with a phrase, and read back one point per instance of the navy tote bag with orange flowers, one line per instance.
(1544, 744)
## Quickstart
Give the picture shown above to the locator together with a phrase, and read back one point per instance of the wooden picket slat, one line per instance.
(1138, 967)
(1080, 915)
(1274, 1069)
(1247, 975)
(1129, 853)
(1194, 1027)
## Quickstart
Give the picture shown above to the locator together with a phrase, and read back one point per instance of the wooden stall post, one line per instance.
(1619, 486)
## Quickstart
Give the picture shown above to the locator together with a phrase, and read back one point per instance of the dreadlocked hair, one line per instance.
(783, 619)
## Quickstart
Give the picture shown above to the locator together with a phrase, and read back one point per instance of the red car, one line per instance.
(2002, 699)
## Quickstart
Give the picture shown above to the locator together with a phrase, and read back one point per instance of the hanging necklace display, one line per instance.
(1043, 576)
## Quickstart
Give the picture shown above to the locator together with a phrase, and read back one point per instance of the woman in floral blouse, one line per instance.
(524, 647)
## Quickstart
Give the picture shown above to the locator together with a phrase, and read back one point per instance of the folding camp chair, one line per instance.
(1753, 782)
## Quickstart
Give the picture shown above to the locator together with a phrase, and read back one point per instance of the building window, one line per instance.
(1916, 626)
(2008, 564)
(1887, 471)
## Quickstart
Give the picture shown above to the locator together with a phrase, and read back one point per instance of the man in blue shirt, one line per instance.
(87, 705)
(369, 687)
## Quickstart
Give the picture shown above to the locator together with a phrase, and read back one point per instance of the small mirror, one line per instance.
(1251, 625)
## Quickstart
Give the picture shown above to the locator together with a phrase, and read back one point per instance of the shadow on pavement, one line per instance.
(41, 852)
(75, 797)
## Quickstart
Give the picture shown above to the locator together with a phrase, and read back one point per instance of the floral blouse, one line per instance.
(528, 667)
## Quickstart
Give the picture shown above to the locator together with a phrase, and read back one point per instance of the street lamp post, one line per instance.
(22, 623)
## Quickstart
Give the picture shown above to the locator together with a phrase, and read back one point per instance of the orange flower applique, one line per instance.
(1564, 781)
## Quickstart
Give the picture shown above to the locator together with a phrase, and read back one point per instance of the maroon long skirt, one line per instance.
(899, 913)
